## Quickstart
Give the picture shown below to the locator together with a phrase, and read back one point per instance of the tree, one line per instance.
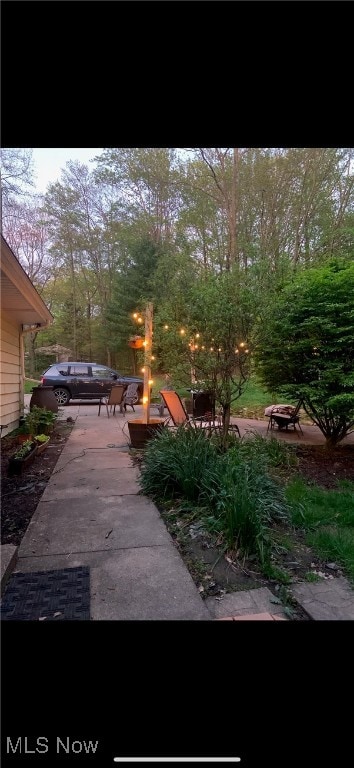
(202, 333)
(305, 346)
(16, 174)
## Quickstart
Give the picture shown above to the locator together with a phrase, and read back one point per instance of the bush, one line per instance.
(176, 464)
(235, 494)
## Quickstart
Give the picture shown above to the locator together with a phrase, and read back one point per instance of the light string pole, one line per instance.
(147, 362)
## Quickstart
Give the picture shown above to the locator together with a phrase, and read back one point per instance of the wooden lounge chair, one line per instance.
(284, 416)
(115, 397)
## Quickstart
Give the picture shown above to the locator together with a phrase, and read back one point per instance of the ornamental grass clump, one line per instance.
(248, 502)
(177, 463)
(234, 492)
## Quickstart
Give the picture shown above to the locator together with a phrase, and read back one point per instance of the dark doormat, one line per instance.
(48, 595)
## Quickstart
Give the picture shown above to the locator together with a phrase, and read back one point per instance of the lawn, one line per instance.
(29, 384)
(251, 404)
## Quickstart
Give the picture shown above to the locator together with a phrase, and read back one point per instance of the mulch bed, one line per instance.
(325, 468)
(20, 495)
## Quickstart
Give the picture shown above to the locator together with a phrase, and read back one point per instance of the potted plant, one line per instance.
(42, 442)
(40, 420)
(23, 456)
(46, 421)
(23, 433)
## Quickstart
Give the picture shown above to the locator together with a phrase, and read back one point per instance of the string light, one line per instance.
(166, 327)
(182, 331)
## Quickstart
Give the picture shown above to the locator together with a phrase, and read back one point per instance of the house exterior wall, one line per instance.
(10, 374)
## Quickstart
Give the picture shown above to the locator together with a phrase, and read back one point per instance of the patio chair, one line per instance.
(115, 397)
(284, 416)
(131, 396)
(180, 417)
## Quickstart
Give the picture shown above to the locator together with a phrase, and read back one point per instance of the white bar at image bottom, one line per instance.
(177, 759)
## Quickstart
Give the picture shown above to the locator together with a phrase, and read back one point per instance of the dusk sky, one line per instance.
(48, 163)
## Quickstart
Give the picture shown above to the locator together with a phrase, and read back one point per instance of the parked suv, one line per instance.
(78, 381)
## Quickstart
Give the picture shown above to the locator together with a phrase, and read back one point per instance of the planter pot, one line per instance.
(136, 342)
(17, 466)
(22, 438)
(140, 433)
(44, 397)
(42, 446)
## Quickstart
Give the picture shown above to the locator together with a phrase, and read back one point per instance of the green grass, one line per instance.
(312, 577)
(327, 517)
(254, 398)
(29, 384)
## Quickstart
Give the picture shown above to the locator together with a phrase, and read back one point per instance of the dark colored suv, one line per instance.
(84, 381)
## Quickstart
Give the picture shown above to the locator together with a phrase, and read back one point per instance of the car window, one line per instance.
(63, 371)
(100, 372)
(79, 370)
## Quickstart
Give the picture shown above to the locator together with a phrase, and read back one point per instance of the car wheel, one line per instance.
(62, 396)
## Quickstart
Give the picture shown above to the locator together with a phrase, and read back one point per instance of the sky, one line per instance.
(48, 163)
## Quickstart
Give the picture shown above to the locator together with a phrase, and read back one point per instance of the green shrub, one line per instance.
(234, 492)
(247, 502)
(176, 464)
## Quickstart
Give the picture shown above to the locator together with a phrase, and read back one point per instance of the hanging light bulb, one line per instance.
(166, 327)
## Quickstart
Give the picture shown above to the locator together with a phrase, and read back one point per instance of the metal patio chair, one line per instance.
(131, 396)
(115, 397)
(180, 417)
(284, 416)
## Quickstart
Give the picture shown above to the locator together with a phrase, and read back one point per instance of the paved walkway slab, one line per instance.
(246, 603)
(8, 562)
(328, 600)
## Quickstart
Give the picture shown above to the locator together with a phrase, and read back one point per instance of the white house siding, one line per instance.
(10, 374)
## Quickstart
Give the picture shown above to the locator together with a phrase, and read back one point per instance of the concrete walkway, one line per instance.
(92, 514)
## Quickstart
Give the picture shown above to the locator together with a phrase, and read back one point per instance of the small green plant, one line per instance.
(42, 438)
(25, 449)
(311, 577)
(38, 419)
(275, 574)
